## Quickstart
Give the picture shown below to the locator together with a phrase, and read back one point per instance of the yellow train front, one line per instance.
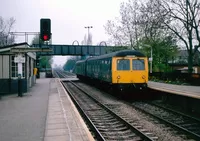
(120, 70)
(129, 71)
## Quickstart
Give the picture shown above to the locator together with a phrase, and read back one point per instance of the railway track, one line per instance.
(58, 74)
(63, 74)
(108, 127)
(106, 124)
(184, 123)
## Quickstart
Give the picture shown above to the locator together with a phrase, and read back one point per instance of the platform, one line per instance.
(45, 113)
(188, 91)
(63, 120)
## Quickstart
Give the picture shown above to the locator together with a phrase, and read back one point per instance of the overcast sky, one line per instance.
(68, 18)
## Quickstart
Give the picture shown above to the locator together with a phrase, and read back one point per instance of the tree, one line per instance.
(84, 41)
(125, 29)
(113, 29)
(164, 49)
(45, 61)
(184, 19)
(69, 65)
(137, 20)
(87, 40)
(140, 27)
(155, 36)
(37, 40)
(5, 28)
(151, 23)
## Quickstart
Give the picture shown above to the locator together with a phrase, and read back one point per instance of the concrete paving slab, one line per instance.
(189, 91)
(63, 120)
(56, 132)
(56, 126)
(24, 118)
(58, 138)
(54, 121)
(46, 113)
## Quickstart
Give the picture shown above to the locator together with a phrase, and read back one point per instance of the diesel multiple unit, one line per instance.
(119, 70)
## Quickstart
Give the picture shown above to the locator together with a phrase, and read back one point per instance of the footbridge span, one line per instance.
(76, 50)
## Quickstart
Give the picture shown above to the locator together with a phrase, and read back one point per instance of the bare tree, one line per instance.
(5, 28)
(151, 23)
(130, 21)
(184, 19)
(113, 29)
(84, 41)
(87, 40)
(125, 30)
(137, 20)
(36, 40)
(141, 27)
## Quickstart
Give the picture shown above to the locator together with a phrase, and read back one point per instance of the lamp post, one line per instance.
(88, 27)
(151, 59)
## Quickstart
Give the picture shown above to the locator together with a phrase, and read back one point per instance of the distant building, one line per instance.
(180, 62)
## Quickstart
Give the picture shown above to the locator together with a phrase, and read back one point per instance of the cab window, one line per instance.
(123, 64)
(138, 64)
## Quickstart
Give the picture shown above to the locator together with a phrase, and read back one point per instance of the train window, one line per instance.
(95, 67)
(138, 64)
(123, 64)
(99, 66)
(109, 65)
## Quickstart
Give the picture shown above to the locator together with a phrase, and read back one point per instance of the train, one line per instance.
(48, 73)
(120, 70)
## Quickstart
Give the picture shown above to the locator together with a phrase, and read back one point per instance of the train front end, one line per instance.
(130, 72)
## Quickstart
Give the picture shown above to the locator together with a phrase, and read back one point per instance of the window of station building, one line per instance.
(123, 64)
(14, 68)
(138, 64)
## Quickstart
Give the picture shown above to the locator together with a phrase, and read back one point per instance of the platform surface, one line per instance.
(189, 91)
(45, 113)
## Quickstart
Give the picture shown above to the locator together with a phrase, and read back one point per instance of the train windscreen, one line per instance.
(138, 64)
(123, 64)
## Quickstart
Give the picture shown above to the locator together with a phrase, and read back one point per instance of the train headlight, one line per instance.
(118, 77)
(143, 77)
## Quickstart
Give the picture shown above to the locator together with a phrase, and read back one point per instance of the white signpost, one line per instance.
(19, 59)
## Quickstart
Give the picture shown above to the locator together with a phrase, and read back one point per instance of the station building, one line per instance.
(9, 69)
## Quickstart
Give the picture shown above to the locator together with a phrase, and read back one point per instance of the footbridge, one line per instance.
(76, 50)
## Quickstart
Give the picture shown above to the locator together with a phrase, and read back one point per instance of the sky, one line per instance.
(68, 18)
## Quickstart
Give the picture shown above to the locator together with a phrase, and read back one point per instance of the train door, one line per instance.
(121, 68)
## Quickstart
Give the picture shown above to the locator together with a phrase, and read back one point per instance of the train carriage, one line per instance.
(121, 70)
(48, 73)
(79, 69)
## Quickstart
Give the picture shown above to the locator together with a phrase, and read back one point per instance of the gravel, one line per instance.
(163, 132)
